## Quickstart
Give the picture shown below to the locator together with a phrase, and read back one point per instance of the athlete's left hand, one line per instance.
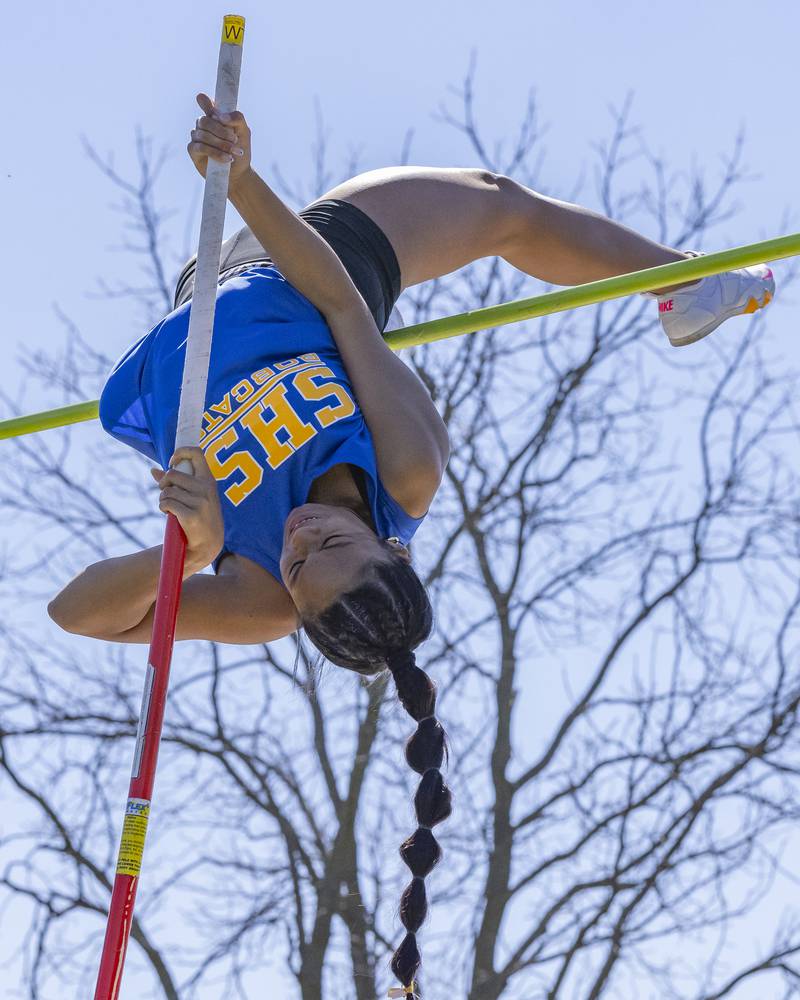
(194, 500)
(225, 138)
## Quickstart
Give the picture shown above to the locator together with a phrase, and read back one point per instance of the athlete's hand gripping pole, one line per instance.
(190, 414)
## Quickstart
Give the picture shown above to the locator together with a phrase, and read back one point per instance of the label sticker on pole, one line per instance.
(134, 831)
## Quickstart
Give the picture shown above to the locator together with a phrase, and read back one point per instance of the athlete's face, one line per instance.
(325, 553)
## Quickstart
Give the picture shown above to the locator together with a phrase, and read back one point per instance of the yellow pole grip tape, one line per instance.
(233, 29)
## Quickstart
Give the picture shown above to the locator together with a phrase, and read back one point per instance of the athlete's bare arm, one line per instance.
(411, 442)
(115, 598)
(302, 256)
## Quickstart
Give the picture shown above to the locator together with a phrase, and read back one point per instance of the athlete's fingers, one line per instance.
(215, 127)
(235, 119)
(172, 506)
(208, 139)
(192, 500)
(185, 480)
(206, 104)
(197, 149)
(196, 457)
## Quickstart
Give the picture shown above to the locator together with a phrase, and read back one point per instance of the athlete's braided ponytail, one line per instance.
(375, 626)
(425, 753)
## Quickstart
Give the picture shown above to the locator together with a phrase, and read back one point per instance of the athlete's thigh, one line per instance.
(437, 218)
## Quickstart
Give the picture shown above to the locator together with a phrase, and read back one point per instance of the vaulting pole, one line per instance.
(500, 315)
(190, 413)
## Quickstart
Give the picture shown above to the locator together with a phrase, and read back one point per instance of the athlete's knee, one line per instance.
(487, 179)
(509, 204)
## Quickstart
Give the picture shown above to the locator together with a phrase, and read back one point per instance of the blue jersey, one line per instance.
(280, 410)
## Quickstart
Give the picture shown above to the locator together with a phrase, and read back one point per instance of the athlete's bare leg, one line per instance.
(439, 219)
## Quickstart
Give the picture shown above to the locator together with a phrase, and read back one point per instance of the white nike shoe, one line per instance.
(691, 313)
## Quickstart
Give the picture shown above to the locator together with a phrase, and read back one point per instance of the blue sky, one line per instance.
(698, 71)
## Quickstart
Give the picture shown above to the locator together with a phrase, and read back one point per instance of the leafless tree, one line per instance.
(613, 559)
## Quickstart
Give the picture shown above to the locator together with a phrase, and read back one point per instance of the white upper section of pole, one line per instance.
(204, 295)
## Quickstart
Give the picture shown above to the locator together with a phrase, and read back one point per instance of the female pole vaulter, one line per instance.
(321, 452)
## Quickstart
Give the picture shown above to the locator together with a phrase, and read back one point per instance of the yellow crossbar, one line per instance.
(500, 315)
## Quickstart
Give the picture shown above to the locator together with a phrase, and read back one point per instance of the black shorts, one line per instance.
(358, 242)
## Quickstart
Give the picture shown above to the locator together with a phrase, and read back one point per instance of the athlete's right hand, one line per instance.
(194, 500)
(224, 138)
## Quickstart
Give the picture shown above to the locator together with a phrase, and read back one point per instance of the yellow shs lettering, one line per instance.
(309, 389)
(239, 461)
(284, 418)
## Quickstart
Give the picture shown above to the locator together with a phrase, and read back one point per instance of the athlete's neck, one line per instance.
(338, 488)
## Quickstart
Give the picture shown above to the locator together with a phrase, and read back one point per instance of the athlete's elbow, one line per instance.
(62, 615)
(71, 619)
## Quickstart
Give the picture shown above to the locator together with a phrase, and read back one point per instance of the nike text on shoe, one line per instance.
(691, 313)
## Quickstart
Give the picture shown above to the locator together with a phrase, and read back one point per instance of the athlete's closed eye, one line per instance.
(296, 565)
(330, 538)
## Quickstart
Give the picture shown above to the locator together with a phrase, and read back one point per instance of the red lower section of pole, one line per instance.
(120, 913)
(118, 928)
